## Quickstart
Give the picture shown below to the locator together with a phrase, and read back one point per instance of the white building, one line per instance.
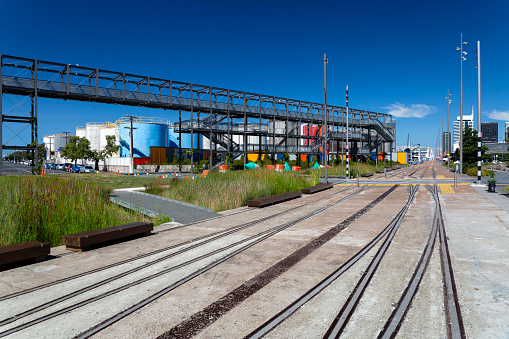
(96, 133)
(468, 120)
(54, 144)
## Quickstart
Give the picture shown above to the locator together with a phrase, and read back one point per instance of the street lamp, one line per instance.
(326, 148)
(347, 149)
(479, 134)
(462, 58)
(448, 98)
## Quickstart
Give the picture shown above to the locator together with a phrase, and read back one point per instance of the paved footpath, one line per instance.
(181, 212)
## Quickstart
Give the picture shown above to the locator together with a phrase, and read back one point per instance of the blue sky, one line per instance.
(396, 57)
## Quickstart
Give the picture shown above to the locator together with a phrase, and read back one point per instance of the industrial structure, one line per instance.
(235, 122)
(54, 144)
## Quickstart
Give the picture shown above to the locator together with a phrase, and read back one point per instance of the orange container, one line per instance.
(205, 173)
(280, 167)
(223, 168)
(295, 168)
(271, 167)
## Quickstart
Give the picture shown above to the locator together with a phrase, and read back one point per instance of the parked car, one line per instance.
(60, 167)
(48, 165)
(88, 169)
(66, 166)
(76, 168)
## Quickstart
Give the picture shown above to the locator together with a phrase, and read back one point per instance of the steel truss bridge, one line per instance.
(221, 115)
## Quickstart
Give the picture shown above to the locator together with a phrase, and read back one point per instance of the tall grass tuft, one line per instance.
(355, 168)
(224, 191)
(45, 208)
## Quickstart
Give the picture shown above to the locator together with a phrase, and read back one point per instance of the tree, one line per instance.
(108, 151)
(77, 148)
(470, 148)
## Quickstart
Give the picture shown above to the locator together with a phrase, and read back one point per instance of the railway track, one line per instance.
(288, 311)
(152, 275)
(31, 316)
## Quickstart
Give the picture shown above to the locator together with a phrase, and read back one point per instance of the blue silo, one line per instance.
(186, 140)
(148, 132)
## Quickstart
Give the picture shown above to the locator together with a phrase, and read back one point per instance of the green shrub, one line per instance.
(45, 208)
(224, 191)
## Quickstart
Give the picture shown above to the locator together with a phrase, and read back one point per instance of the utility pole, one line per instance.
(66, 141)
(326, 148)
(51, 137)
(442, 140)
(462, 58)
(448, 98)
(347, 149)
(131, 146)
(479, 134)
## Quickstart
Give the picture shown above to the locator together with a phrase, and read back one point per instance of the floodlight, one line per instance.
(457, 48)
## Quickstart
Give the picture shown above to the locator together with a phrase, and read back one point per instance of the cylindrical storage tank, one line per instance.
(145, 134)
(186, 140)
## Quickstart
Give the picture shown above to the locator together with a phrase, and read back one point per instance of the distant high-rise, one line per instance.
(468, 120)
(489, 131)
(506, 132)
(446, 141)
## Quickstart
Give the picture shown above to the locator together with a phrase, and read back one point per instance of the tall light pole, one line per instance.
(462, 58)
(441, 154)
(479, 134)
(347, 149)
(325, 149)
(66, 141)
(448, 98)
(131, 154)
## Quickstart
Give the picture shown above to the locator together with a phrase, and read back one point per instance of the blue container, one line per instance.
(145, 135)
(186, 140)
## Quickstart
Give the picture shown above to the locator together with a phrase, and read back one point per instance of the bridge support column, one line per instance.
(1, 118)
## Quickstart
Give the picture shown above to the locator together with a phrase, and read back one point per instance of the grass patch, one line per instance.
(112, 181)
(45, 208)
(355, 168)
(224, 191)
(472, 171)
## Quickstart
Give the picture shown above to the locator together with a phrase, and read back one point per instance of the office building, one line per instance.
(446, 142)
(468, 120)
(489, 131)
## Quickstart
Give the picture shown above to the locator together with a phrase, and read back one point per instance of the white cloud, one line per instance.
(412, 111)
(496, 115)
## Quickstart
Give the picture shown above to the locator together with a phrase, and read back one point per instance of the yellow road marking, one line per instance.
(446, 189)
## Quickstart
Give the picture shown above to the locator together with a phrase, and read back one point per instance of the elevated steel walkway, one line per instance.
(36, 78)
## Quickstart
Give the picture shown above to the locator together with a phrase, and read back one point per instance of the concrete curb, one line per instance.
(132, 207)
(175, 201)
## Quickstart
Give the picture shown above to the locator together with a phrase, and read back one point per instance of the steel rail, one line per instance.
(195, 323)
(292, 308)
(153, 262)
(455, 327)
(349, 307)
(426, 170)
(143, 303)
(261, 236)
(397, 317)
(214, 235)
